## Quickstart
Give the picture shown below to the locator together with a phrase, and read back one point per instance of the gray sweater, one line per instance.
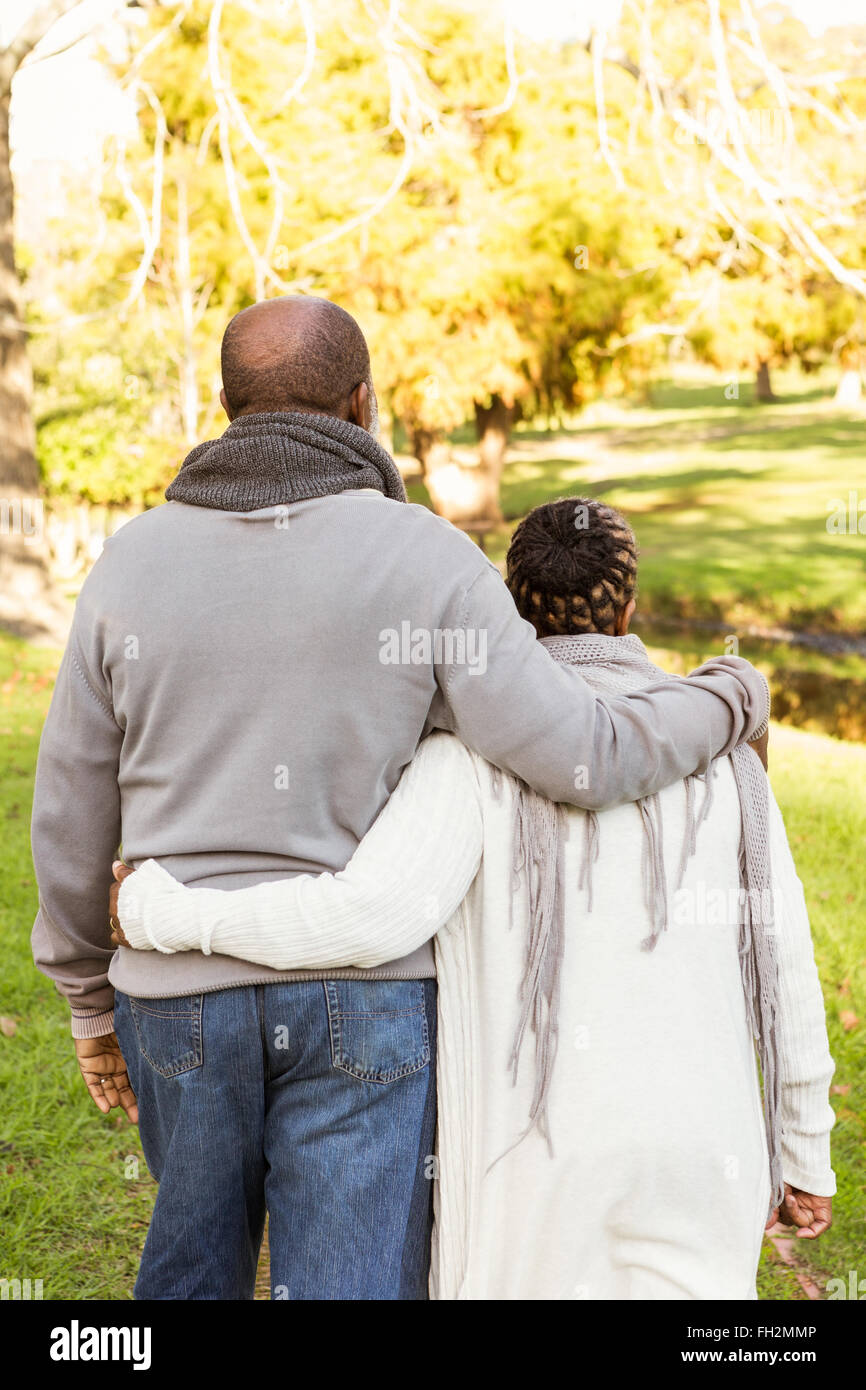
(241, 691)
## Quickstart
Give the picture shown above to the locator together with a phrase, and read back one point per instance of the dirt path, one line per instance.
(786, 1246)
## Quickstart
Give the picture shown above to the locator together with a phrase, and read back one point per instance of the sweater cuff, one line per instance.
(820, 1184)
(765, 722)
(150, 891)
(92, 1023)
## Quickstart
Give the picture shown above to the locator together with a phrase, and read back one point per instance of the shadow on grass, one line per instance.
(731, 426)
(688, 484)
(672, 395)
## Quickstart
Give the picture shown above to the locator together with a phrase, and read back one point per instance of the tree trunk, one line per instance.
(29, 602)
(18, 467)
(429, 448)
(493, 427)
(465, 494)
(763, 385)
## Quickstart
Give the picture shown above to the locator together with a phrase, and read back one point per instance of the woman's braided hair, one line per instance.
(572, 567)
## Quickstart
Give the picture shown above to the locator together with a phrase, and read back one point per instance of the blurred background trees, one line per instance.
(519, 224)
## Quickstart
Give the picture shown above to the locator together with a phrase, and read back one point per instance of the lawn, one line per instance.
(75, 1196)
(730, 506)
(729, 503)
(819, 784)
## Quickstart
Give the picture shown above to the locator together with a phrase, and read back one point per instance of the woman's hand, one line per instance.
(812, 1215)
(760, 745)
(120, 871)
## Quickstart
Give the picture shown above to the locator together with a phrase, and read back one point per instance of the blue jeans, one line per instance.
(313, 1100)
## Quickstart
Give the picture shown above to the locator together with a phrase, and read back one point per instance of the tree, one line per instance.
(506, 267)
(517, 226)
(760, 126)
(26, 593)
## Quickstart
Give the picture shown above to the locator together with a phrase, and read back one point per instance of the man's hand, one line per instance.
(120, 871)
(812, 1215)
(760, 747)
(104, 1071)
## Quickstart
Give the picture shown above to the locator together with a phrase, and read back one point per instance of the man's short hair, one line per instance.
(572, 567)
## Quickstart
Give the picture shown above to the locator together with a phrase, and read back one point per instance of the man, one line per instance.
(249, 670)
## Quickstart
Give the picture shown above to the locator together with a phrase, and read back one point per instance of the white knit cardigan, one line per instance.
(657, 1186)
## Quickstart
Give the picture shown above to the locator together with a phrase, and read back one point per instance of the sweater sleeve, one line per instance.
(75, 835)
(527, 715)
(408, 875)
(806, 1065)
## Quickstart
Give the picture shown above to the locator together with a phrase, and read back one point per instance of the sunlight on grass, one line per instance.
(730, 506)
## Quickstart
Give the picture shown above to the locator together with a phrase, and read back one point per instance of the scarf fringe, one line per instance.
(539, 831)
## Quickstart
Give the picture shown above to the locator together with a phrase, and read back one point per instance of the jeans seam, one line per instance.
(260, 1009)
(388, 1077)
(333, 1022)
(381, 1013)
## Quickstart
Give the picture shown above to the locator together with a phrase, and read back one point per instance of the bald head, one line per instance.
(297, 353)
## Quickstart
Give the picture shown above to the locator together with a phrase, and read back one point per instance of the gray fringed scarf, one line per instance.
(285, 456)
(612, 666)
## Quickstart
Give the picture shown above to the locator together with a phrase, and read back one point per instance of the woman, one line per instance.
(603, 979)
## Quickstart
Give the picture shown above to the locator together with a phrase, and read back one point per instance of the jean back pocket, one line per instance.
(169, 1032)
(378, 1028)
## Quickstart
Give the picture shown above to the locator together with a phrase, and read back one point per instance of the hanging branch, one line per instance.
(776, 197)
(410, 113)
(293, 92)
(150, 226)
(510, 68)
(597, 43)
(30, 33)
(230, 113)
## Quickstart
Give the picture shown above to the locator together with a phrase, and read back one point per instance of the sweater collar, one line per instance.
(595, 648)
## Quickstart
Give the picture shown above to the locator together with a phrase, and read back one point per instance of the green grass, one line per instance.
(777, 1282)
(72, 1213)
(729, 501)
(819, 785)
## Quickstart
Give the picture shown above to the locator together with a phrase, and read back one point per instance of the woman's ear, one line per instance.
(625, 618)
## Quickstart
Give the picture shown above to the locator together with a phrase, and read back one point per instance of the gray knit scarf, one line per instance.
(284, 456)
(613, 666)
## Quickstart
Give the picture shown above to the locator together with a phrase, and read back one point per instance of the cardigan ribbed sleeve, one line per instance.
(806, 1065)
(408, 875)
